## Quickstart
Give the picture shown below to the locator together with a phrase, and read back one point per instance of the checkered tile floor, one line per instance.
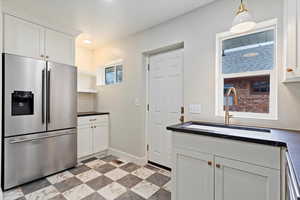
(106, 178)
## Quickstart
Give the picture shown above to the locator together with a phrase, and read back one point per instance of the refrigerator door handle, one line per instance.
(48, 95)
(40, 138)
(43, 96)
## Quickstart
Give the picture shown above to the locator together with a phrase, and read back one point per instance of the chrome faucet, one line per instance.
(227, 115)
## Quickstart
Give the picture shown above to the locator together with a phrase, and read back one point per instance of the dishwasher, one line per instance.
(292, 187)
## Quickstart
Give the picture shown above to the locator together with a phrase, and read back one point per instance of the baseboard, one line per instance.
(98, 155)
(127, 156)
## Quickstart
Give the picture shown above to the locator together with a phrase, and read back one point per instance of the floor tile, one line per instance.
(129, 181)
(99, 182)
(60, 177)
(116, 174)
(78, 192)
(13, 194)
(112, 191)
(158, 179)
(95, 164)
(58, 197)
(109, 158)
(44, 193)
(34, 186)
(94, 196)
(129, 195)
(143, 172)
(168, 186)
(105, 168)
(88, 175)
(161, 195)
(67, 184)
(130, 167)
(80, 169)
(145, 189)
(89, 160)
(95, 179)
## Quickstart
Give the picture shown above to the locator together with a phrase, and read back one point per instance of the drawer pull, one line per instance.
(209, 163)
(218, 166)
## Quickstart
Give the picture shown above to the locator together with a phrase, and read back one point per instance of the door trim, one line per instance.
(146, 63)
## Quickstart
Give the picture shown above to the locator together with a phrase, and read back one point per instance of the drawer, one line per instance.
(92, 119)
(263, 155)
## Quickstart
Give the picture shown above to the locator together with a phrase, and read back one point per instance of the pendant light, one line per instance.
(243, 20)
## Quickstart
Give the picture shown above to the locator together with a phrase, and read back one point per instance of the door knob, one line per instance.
(209, 163)
(289, 69)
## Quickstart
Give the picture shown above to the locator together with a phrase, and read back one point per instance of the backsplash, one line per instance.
(86, 102)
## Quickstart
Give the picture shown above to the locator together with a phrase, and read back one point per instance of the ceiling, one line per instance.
(103, 20)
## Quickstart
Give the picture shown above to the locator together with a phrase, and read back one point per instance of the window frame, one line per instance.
(113, 65)
(219, 76)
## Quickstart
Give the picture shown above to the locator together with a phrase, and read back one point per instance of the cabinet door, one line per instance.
(84, 141)
(192, 175)
(236, 180)
(100, 137)
(59, 47)
(23, 38)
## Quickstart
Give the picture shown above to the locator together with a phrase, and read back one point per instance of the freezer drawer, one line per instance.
(27, 158)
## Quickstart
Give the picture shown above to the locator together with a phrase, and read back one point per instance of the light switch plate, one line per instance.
(195, 108)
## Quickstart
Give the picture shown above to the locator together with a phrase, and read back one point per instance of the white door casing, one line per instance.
(165, 102)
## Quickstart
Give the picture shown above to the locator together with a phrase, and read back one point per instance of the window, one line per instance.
(247, 62)
(113, 74)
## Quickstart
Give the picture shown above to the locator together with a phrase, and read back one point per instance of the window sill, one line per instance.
(243, 115)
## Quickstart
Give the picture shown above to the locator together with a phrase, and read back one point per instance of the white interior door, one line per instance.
(165, 102)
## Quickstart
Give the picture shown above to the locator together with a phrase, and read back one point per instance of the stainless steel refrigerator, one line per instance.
(39, 119)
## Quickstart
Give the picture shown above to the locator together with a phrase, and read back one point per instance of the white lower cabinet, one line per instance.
(236, 180)
(192, 175)
(93, 135)
(84, 141)
(222, 169)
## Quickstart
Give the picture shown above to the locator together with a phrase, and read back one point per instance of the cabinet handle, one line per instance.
(218, 166)
(289, 69)
(209, 163)
(47, 57)
(42, 56)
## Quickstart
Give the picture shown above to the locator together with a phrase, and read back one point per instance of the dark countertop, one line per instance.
(84, 114)
(276, 137)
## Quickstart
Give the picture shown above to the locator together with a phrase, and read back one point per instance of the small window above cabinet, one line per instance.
(110, 74)
(291, 41)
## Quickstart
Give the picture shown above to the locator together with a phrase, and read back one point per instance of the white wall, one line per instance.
(84, 62)
(198, 32)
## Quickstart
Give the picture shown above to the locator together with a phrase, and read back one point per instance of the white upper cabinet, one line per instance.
(59, 47)
(23, 38)
(292, 40)
(28, 39)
